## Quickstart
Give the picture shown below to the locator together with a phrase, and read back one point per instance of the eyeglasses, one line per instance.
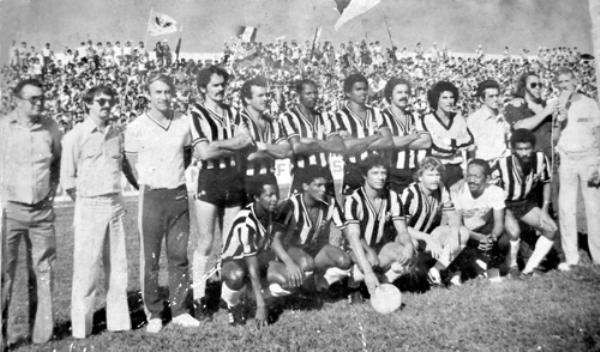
(35, 99)
(535, 85)
(103, 101)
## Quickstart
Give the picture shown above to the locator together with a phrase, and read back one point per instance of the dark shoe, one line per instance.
(201, 310)
(356, 297)
(236, 315)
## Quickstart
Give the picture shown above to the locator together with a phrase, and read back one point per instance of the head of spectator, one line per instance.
(356, 88)
(442, 98)
(30, 98)
(374, 170)
(397, 92)
(307, 93)
(478, 171)
(565, 80)
(211, 83)
(488, 92)
(529, 87)
(99, 102)
(160, 91)
(254, 94)
(264, 192)
(522, 143)
(430, 173)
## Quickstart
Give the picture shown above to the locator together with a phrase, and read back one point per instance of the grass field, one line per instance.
(554, 312)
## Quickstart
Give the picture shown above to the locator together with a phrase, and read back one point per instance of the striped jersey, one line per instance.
(295, 123)
(247, 236)
(346, 120)
(424, 213)
(404, 159)
(208, 126)
(358, 209)
(305, 232)
(511, 178)
(271, 135)
(447, 139)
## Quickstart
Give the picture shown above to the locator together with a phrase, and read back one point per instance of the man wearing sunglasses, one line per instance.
(29, 172)
(91, 176)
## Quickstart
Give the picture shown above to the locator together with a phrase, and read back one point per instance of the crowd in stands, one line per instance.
(125, 66)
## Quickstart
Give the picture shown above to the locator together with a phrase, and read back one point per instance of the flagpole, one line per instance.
(147, 23)
(387, 26)
(178, 47)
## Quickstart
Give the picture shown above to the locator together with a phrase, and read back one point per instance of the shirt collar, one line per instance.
(17, 118)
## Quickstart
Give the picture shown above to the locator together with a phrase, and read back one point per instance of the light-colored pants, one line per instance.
(99, 239)
(34, 223)
(573, 172)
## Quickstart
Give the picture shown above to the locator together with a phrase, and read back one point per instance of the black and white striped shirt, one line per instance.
(405, 159)
(511, 178)
(208, 126)
(446, 140)
(294, 123)
(424, 213)
(358, 209)
(247, 236)
(346, 120)
(271, 135)
(305, 232)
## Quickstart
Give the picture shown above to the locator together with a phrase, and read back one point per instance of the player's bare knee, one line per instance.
(307, 263)
(234, 278)
(343, 261)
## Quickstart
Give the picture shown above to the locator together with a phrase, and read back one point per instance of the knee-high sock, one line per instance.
(357, 274)
(198, 271)
(512, 254)
(334, 274)
(231, 297)
(542, 247)
(396, 270)
(278, 291)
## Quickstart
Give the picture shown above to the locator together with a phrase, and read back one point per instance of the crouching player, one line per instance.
(375, 228)
(309, 217)
(247, 255)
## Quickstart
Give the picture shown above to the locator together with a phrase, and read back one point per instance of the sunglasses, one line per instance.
(535, 85)
(103, 101)
(35, 99)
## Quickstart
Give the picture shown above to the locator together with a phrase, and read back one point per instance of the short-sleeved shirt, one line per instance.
(515, 183)
(447, 139)
(405, 159)
(490, 133)
(477, 212)
(28, 155)
(208, 126)
(91, 159)
(305, 232)
(247, 236)
(294, 123)
(345, 120)
(423, 212)
(271, 135)
(160, 149)
(358, 209)
(543, 132)
(583, 120)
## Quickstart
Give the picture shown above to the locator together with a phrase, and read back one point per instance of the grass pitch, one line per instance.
(554, 312)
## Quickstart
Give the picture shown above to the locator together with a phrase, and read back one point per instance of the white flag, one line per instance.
(248, 34)
(160, 23)
(355, 8)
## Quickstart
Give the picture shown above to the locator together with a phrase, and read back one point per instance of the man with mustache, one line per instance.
(518, 175)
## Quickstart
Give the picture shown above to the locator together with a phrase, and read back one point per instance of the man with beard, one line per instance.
(220, 190)
(579, 148)
(410, 140)
(376, 230)
(358, 125)
(518, 175)
(311, 136)
(480, 207)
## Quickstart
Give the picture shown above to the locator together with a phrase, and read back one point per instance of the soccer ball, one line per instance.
(386, 299)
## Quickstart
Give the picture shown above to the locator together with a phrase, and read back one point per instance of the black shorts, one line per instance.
(399, 179)
(352, 179)
(301, 174)
(221, 187)
(521, 208)
(264, 258)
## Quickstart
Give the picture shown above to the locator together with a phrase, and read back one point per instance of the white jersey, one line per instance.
(477, 212)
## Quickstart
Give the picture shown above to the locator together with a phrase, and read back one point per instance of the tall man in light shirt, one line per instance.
(154, 144)
(488, 126)
(91, 176)
(579, 148)
(29, 172)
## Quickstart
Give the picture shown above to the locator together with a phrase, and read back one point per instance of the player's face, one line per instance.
(491, 98)
(316, 189)
(446, 102)
(358, 93)
(215, 89)
(101, 106)
(268, 198)
(430, 179)
(160, 95)
(400, 95)
(308, 96)
(566, 82)
(476, 179)
(32, 100)
(376, 178)
(259, 98)
(523, 151)
(533, 87)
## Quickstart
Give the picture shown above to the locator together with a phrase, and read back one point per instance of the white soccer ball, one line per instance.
(386, 299)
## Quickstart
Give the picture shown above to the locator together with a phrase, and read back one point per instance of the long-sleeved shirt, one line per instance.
(490, 133)
(29, 158)
(91, 159)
